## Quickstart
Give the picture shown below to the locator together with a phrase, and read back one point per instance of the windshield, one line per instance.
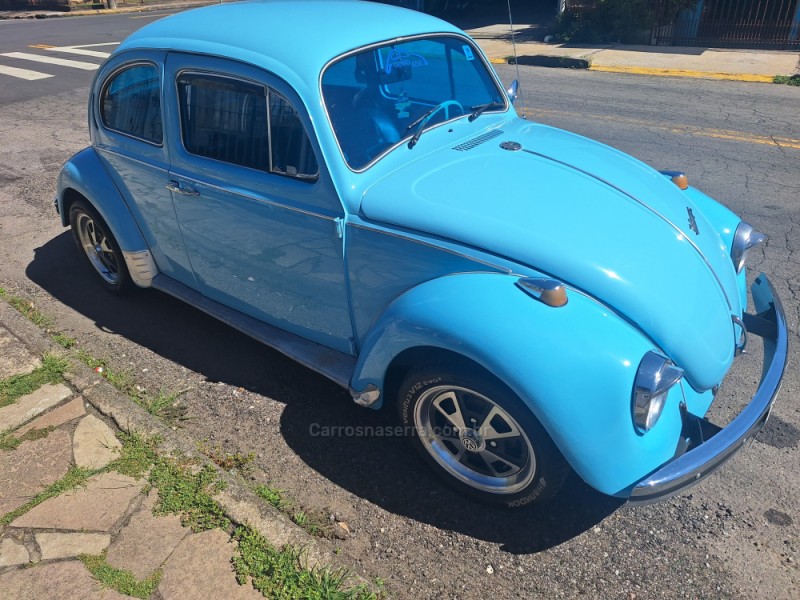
(377, 97)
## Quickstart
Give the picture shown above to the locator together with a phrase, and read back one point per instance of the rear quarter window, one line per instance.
(130, 103)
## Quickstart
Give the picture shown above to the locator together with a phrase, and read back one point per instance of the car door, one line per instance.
(259, 216)
(128, 136)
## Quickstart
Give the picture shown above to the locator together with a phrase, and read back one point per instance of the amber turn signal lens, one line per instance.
(680, 180)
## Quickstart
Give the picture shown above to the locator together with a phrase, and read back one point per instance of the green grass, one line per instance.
(8, 441)
(122, 380)
(236, 461)
(136, 456)
(64, 340)
(75, 477)
(17, 386)
(313, 522)
(787, 79)
(272, 496)
(165, 406)
(120, 580)
(189, 495)
(27, 308)
(278, 574)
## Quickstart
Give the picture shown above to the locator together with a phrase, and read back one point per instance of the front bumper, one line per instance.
(720, 444)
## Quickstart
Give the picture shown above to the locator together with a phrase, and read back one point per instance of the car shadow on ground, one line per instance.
(355, 448)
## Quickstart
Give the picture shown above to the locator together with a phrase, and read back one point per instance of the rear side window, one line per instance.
(130, 103)
(243, 123)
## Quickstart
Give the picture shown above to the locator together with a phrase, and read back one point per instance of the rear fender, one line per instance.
(572, 366)
(85, 174)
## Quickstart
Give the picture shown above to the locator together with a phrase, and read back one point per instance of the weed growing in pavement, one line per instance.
(241, 463)
(136, 456)
(272, 496)
(165, 406)
(188, 495)
(313, 522)
(9, 441)
(121, 380)
(64, 340)
(75, 477)
(279, 574)
(27, 308)
(120, 580)
(17, 386)
(787, 79)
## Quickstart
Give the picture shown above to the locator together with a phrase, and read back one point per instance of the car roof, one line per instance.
(292, 38)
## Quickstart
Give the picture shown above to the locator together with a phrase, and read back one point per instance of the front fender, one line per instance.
(85, 174)
(573, 366)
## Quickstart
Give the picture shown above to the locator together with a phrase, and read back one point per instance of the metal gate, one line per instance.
(771, 24)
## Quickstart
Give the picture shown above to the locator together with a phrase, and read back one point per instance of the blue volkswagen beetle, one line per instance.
(324, 176)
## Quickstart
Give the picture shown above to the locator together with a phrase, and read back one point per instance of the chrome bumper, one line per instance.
(689, 468)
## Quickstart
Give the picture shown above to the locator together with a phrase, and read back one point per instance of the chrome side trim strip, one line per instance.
(255, 198)
(409, 238)
(689, 468)
(141, 266)
(646, 207)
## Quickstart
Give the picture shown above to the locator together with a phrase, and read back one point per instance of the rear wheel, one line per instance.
(479, 436)
(101, 250)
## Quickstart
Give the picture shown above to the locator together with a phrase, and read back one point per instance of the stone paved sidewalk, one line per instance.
(110, 515)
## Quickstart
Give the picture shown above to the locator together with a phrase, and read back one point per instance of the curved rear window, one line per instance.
(130, 103)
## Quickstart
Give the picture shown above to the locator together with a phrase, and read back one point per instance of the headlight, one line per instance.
(746, 237)
(654, 378)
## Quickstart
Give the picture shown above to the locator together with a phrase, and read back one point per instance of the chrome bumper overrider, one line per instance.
(689, 468)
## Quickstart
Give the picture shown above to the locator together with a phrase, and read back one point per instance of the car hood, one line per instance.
(588, 215)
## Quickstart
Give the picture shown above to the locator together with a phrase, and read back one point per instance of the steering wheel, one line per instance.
(446, 106)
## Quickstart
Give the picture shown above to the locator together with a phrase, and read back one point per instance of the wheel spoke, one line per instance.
(449, 407)
(490, 458)
(489, 431)
(91, 234)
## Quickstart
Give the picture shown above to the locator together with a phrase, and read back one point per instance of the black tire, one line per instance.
(98, 246)
(502, 456)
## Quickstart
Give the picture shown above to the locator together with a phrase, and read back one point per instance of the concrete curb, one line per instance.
(566, 62)
(543, 60)
(748, 77)
(238, 501)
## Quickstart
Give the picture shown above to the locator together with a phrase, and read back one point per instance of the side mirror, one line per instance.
(513, 91)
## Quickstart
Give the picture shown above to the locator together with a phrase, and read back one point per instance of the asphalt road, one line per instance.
(735, 535)
(59, 39)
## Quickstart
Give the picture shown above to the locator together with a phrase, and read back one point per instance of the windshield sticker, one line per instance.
(398, 59)
(401, 106)
(468, 52)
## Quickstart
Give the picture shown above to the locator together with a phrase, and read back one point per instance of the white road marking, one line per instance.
(81, 51)
(95, 45)
(22, 73)
(76, 64)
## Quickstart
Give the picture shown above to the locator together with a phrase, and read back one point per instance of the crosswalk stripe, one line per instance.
(22, 73)
(76, 64)
(71, 50)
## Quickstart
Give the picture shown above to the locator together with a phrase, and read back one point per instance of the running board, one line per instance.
(336, 366)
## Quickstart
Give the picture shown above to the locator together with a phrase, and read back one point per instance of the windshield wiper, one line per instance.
(482, 108)
(419, 123)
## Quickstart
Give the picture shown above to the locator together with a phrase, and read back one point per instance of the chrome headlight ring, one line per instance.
(745, 238)
(654, 378)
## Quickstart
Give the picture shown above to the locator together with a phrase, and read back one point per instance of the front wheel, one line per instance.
(480, 437)
(94, 238)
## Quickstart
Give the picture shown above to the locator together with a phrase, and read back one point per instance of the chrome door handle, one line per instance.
(174, 186)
